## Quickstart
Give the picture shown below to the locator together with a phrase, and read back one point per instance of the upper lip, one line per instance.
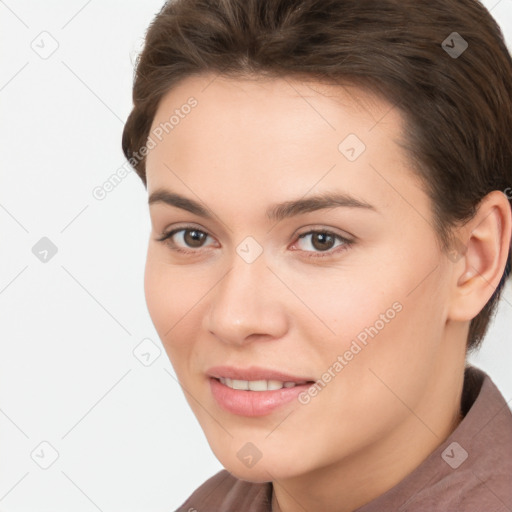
(254, 373)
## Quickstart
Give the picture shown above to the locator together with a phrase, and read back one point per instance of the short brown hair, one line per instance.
(457, 108)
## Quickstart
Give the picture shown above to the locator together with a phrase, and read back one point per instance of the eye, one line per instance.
(189, 236)
(193, 238)
(322, 241)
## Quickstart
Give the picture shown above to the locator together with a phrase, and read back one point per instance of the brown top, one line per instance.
(469, 472)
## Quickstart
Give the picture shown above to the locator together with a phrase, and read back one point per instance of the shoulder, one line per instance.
(223, 492)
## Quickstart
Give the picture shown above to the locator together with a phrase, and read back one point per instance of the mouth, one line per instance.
(260, 385)
(252, 378)
(260, 393)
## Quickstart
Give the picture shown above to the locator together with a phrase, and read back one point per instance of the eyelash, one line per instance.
(166, 239)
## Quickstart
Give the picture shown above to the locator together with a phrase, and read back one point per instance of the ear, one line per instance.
(480, 256)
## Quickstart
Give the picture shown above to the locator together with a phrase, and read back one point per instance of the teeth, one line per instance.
(257, 385)
(239, 384)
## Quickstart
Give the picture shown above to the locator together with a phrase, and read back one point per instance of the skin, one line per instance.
(247, 145)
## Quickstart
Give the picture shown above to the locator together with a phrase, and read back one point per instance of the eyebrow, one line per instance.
(276, 212)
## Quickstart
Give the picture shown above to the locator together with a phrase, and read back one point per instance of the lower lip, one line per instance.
(253, 403)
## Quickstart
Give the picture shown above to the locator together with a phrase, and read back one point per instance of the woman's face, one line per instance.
(361, 308)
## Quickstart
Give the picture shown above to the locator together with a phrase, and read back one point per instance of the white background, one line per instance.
(125, 437)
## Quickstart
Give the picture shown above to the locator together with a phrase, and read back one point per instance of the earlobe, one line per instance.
(487, 245)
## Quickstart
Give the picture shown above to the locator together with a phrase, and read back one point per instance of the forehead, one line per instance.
(254, 94)
(262, 137)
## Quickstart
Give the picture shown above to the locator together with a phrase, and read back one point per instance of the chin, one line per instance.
(265, 470)
(256, 474)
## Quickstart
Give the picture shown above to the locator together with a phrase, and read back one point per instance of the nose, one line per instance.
(247, 304)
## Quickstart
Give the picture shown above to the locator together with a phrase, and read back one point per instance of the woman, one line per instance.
(329, 186)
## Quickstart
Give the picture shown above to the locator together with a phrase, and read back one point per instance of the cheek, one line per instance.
(170, 299)
(156, 294)
(397, 358)
(383, 320)
(338, 305)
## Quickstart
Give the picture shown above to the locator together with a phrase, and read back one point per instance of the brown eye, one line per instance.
(323, 242)
(194, 237)
(189, 238)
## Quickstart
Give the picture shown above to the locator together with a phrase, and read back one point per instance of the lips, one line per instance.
(255, 373)
(253, 403)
